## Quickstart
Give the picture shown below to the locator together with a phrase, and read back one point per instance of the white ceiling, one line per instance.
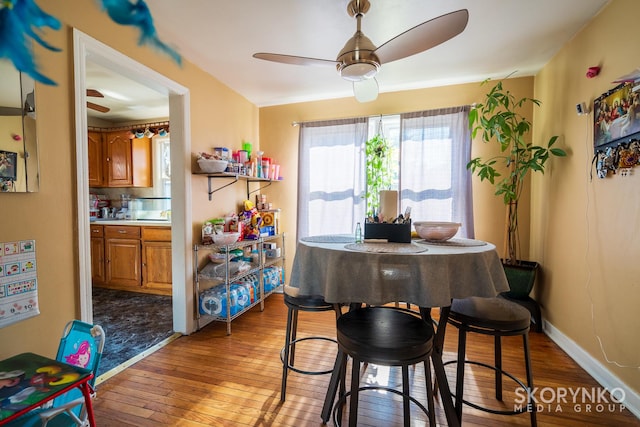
(128, 100)
(501, 38)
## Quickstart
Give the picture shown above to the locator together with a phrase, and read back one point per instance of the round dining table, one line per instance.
(424, 274)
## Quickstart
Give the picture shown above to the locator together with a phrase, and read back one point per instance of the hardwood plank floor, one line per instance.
(213, 379)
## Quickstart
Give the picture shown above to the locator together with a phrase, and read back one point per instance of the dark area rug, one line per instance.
(133, 322)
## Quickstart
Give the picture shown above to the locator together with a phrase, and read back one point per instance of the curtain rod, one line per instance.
(294, 123)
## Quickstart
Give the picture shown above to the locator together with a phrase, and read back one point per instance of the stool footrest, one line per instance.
(300, 371)
(489, 410)
(342, 400)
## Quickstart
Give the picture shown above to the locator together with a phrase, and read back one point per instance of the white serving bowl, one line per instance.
(226, 238)
(436, 231)
(212, 165)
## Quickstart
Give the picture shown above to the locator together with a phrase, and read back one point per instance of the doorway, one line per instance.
(88, 49)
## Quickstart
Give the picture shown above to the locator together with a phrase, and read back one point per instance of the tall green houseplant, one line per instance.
(377, 151)
(498, 119)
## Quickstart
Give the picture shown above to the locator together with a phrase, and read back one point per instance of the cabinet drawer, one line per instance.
(97, 230)
(122, 231)
(157, 234)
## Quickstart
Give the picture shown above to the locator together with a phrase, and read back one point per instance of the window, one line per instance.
(435, 148)
(430, 150)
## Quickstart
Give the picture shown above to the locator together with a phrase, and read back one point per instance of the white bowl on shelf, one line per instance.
(436, 231)
(226, 238)
(212, 165)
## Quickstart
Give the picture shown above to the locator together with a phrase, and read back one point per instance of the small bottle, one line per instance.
(358, 233)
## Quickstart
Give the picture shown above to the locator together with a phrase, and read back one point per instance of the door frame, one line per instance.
(181, 235)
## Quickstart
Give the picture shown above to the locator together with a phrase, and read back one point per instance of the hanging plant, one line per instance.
(377, 151)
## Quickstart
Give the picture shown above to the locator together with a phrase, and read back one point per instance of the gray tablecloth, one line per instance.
(428, 279)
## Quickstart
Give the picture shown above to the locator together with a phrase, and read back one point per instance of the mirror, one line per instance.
(18, 143)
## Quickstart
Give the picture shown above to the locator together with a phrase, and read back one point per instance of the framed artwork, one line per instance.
(617, 116)
(8, 162)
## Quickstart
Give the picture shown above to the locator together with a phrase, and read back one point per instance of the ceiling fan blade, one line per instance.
(97, 107)
(424, 36)
(95, 93)
(365, 90)
(295, 60)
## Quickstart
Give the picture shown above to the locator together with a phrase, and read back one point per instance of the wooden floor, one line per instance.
(212, 379)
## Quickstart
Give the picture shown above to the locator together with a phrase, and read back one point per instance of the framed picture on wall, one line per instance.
(616, 116)
(8, 164)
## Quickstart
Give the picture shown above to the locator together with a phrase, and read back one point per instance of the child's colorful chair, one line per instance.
(81, 345)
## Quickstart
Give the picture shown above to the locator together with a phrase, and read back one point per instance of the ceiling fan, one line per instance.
(96, 93)
(359, 60)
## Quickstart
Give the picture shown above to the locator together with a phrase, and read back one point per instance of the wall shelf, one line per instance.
(236, 177)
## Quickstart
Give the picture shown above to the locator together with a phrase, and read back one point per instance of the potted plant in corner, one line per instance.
(498, 119)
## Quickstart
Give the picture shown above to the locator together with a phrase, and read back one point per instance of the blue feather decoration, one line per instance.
(137, 14)
(20, 21)
(29, 12)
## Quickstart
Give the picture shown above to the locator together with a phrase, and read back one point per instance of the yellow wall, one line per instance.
(279, 138)
(219, 116)
(584, 231)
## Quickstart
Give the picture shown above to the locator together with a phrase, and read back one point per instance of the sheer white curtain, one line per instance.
(331, 176)
(435, 147)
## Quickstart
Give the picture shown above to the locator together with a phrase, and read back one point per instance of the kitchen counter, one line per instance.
(138, 222)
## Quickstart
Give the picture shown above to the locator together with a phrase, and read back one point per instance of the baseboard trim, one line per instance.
(593, 367)
(121, 367)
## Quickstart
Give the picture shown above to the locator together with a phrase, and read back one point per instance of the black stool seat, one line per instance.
(497, 317)
(295, 304)
(533, 307)
(386, 336)
(490, 313)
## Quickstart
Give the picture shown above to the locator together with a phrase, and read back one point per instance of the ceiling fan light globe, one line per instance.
(366, 90)
(358, 71)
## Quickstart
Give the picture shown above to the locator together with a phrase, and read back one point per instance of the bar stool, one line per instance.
(295, 304)
(385, 336)
(498, 317)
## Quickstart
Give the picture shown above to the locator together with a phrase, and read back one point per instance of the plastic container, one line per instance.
(212, 165)
(243, 156)
(266, 165)
(246, 146)
(222, 152)
(225, 238)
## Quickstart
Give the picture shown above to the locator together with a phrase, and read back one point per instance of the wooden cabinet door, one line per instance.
(119, 171)
(141, 162)
(96, 159)
(97, 255)
(123, 259)
(156, 266)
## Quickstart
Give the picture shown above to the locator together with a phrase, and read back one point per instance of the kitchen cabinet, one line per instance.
(96, 159)
(156, 259)
(131, 258)
(115, 160)
(227, 289)
(97, 254)
(118, 160)
(122, 257)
